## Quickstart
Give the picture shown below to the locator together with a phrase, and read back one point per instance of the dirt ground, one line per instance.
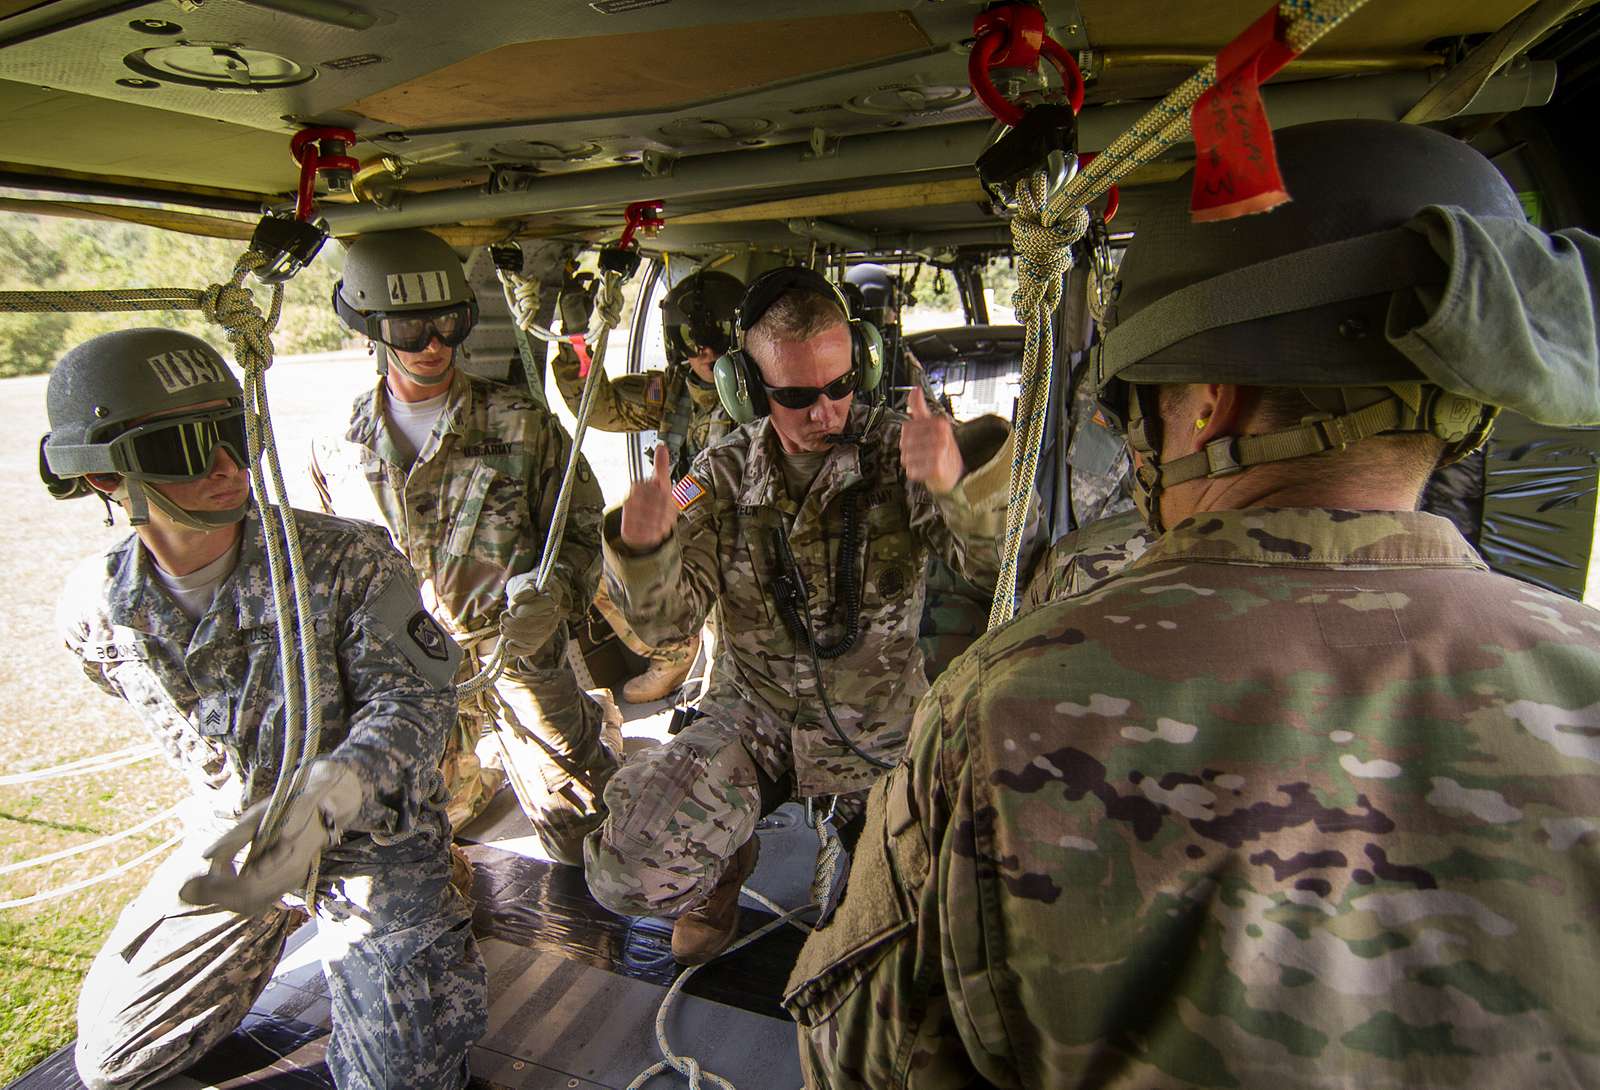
(50, 713)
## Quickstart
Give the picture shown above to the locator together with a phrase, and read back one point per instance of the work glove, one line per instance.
(314, 819)
(531, 616)
(576, 301)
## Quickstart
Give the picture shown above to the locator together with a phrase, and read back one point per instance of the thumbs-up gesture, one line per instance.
(928, 447)
(649, 513)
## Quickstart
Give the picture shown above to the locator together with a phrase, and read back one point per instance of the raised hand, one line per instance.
(928, 448)
(649, 513)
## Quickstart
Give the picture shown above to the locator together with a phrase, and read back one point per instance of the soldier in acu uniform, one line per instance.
(178, 620)
(1303, 798)
(804, 534)
(680, 405)
(465, 474)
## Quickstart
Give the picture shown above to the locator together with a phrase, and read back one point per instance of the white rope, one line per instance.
(1045, 225)
(104, 876)
(608, 314)
(79, 849)
(101, 762)
(830, 851)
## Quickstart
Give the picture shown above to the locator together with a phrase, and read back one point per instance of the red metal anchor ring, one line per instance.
(640, 216)
(308, 155)
(1012, 36)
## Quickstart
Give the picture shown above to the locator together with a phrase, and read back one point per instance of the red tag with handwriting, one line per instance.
(1235, 166)
(580, 346)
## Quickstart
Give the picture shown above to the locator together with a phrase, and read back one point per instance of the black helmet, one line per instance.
(115, 404)
(699, 312)
(880, 293)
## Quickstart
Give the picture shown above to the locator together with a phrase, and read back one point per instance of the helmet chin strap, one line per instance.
(1338, 418)
(393, 359)
(141, 499)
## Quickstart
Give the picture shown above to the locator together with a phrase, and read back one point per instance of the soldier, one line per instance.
(466, 474)
(1304, 797)
(680, 405)
(178, 620)
(804, 534)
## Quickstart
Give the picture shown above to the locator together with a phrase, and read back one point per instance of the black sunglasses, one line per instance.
(414, 331)
(803, 397)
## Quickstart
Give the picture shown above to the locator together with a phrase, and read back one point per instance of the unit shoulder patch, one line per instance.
(687, 491)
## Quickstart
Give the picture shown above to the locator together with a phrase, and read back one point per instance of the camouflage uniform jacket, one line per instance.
(472, 510)
(687, 417)
(1301, 799)
(722, 558)
(1086, 557)
(210, 692)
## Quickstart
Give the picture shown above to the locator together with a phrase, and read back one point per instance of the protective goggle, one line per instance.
(687, 340)
(803, 397)
(413, 331)
(180, 448)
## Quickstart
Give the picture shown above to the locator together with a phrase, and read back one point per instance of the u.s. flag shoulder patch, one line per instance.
(686, 491)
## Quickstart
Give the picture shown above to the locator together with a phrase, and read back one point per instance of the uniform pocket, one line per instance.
(491, 515)
(876, 910)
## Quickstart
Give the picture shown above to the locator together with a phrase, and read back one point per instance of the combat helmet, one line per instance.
(1308, 296)
(114, 404)
(699, 312)
(401, 289)
(880, 294)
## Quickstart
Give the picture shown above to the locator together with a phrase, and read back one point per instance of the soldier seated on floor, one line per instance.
(1304, 796)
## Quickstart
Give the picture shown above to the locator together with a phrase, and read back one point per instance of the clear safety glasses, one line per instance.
(413, 331)
(180, 448)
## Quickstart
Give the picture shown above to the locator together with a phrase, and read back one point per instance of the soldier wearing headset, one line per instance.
(805, 535)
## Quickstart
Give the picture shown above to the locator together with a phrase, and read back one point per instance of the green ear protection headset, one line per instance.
(739, 383)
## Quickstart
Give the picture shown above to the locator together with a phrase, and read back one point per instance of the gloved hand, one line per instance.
(531, 616)
(314, 819)
(576, 301)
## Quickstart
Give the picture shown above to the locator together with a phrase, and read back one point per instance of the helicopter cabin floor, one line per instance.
(573, 989)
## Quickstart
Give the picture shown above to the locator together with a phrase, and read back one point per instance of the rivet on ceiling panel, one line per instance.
(906, 101)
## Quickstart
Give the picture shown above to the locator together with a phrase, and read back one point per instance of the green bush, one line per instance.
(47, 253)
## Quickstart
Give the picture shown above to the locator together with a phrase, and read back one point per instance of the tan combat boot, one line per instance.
(702, 934)
(664, 678)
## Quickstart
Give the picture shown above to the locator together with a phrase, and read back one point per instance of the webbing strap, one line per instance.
(1352, 268)
(1233, 454)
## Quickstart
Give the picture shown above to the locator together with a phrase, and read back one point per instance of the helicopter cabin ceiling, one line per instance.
(202, 96)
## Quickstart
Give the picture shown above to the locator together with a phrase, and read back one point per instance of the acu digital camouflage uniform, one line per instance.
(1301, 799)
(405, 979)
(680, 810)
(470, 513)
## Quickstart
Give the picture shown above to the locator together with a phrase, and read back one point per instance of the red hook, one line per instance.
(640, 216)
(1012, 36)
(309, 156)
(1113, 196)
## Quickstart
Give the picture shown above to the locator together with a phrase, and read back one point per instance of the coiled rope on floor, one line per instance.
(1044, 227)
(84, 766)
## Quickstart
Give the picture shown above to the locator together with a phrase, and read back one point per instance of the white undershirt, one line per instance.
(194, 592)
(412, 422)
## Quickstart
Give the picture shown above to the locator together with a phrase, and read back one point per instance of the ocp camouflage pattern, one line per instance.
(1083, 559)
(684, 414)
(721, 560)
(1301, 799)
